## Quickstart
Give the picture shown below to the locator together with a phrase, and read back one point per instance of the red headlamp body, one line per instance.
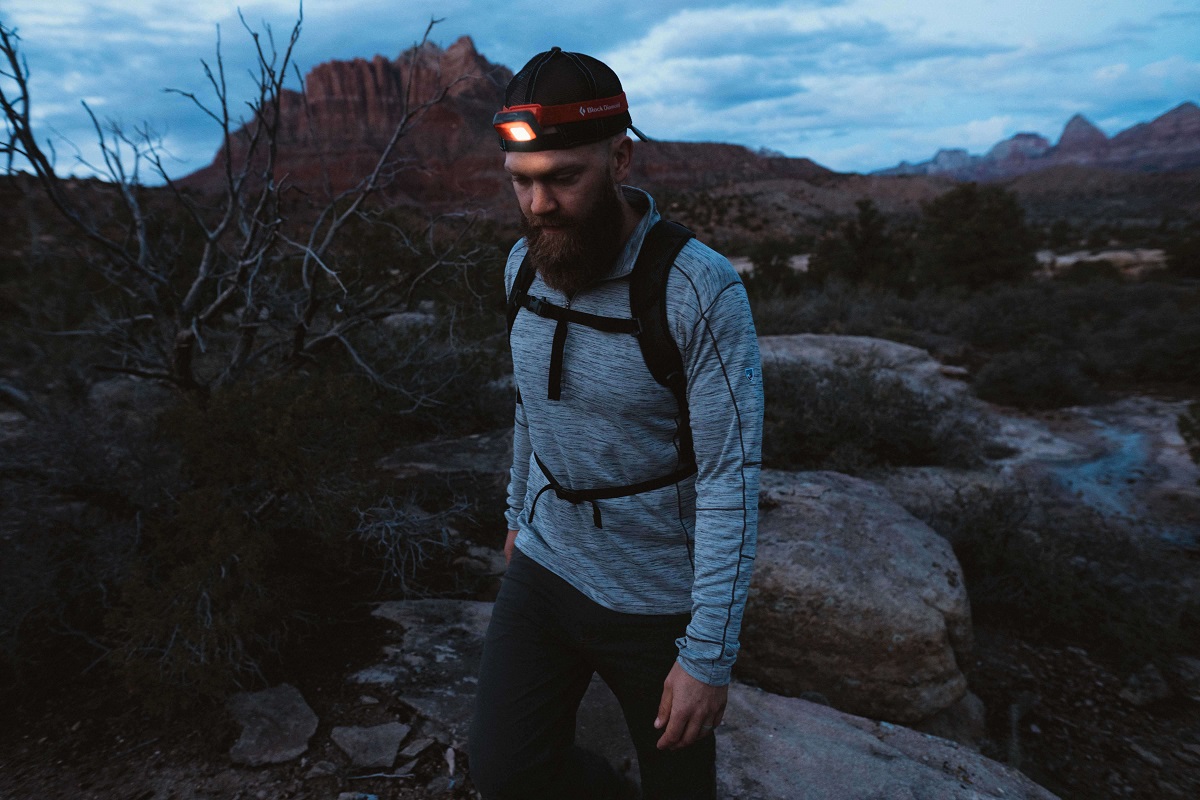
(524, 127)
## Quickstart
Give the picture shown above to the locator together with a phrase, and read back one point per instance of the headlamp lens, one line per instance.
(516, 131)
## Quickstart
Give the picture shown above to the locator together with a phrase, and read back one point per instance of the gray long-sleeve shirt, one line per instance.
(686, 547)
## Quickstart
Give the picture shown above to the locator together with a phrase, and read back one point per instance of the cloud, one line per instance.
(854, 84)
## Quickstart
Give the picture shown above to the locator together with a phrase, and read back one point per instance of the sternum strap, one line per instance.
(544, 308)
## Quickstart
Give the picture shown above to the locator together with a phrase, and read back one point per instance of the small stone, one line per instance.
(416, 747)
(321, 769)
(371, 747)
(1145, 687)
(1185, 674)
(276, 725)
(439, 785)
(1146, 755)
(367, 700)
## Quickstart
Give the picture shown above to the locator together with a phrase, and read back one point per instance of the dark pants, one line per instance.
(545, 641)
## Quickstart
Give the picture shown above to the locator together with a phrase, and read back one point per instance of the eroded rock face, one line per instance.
(854, 598)
(770, 747)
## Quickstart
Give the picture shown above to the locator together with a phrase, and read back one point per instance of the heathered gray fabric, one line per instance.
(685, 547)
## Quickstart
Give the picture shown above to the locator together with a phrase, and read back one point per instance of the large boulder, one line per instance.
(912, 365)
(769, 747)
(855, 599)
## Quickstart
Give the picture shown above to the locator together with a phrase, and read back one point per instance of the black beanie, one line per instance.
(557, 77)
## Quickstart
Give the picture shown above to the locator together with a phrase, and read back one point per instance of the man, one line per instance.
(631, 532)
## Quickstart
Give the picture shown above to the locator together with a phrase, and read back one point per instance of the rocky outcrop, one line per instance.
(334, 132)
(1081, 142)
(912, 365)
(854, 599)
(769, 747)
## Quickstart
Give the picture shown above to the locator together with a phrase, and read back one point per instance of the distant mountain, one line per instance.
(333, 133)
(1170, 142)
(331, 136)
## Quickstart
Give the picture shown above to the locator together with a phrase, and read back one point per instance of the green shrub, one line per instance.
(1044, 378)
(973, 236)
(1059, 574)
(853, 417)
(1183, 252)
(1090, 271)
(862, 250)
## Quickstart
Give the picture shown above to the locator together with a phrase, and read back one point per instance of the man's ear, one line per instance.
(620, 156)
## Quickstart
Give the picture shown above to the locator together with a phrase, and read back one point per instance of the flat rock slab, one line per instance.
(914, 366)
(855, 599)
(376, 746)
(770, 747)
(276, 725)
(775, 747)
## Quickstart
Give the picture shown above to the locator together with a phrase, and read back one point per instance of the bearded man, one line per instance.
(632, 508)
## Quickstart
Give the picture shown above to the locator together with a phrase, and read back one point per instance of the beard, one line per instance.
(583, 249)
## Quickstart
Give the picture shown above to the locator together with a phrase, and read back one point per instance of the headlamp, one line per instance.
(523, 127)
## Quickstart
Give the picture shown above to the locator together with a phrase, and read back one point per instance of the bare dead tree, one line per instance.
(264, 290)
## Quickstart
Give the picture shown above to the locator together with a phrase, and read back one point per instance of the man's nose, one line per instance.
(542, 202)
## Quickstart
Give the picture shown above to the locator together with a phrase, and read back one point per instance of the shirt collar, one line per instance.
(628, 257)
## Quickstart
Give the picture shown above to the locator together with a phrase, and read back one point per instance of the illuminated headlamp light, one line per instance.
(537, 127)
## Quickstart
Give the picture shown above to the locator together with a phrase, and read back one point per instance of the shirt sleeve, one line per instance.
(522, 450)
(519, 472)
(725, 401)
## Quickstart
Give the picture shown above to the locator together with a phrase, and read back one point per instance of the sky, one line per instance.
(855, 85)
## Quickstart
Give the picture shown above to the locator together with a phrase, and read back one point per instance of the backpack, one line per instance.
(648, 305)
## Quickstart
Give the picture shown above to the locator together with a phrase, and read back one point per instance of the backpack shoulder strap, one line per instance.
(648, 304)
(520, 288)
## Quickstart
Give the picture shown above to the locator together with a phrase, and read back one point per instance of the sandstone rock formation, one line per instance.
(855, 599)
(333, 133)
(769, 747)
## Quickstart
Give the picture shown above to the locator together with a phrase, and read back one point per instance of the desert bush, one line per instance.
(853, 416)
(1183, 252)
(1090, 271)
(862, 250)
(253, 543)
(973, 236)
(1063, 575)
(1041, 378)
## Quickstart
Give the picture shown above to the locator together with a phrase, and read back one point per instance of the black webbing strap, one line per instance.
(576, 496)
(544, 308)
(648, 303)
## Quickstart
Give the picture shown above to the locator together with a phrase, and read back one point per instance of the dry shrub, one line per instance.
(855, 416)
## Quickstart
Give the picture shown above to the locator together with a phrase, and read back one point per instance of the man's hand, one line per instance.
(689, 709)
(508, 546)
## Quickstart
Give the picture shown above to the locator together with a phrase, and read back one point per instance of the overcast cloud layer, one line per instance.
(853, 84)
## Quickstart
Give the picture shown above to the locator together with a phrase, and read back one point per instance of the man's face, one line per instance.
(571, 212)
